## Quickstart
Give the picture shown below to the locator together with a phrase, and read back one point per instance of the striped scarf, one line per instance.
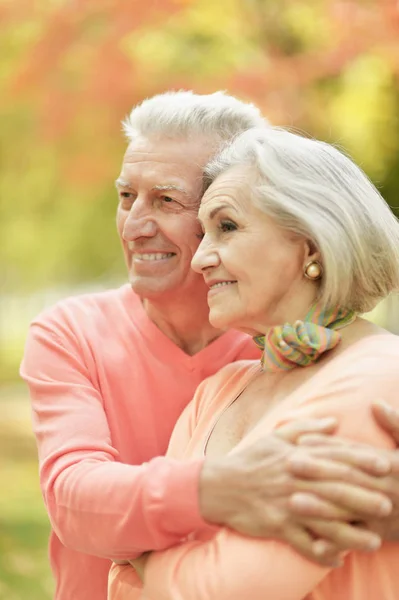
(301, 344)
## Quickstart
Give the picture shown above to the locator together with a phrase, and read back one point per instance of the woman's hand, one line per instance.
(140, 563)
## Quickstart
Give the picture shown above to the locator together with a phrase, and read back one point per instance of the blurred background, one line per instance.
(69, 72)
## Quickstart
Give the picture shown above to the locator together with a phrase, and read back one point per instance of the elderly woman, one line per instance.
(297, 245)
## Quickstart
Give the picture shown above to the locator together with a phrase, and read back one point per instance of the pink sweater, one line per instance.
(107, 388)
(219, 564)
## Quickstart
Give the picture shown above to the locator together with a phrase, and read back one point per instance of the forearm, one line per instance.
(229, 567)
(117, 511)
(216, 487)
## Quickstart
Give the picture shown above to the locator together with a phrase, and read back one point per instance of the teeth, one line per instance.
(153, 256)
(215, 285)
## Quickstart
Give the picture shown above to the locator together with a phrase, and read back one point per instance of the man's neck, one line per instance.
(185, 322)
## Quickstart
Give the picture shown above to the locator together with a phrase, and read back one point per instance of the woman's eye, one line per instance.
(227, 226)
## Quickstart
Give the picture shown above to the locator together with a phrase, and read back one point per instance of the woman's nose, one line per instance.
(205, 257)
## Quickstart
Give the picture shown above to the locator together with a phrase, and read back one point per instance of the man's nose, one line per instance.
(205, 257)
(140, 222)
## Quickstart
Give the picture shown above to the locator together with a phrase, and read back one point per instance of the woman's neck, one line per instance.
(288, 310)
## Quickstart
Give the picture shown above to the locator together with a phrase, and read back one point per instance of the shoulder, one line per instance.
(375, 358)
(87, 312)
(347, 387)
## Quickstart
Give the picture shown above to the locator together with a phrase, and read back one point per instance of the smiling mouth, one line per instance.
(153, 256)
(221, 284)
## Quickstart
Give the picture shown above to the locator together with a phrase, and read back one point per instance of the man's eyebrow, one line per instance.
(122, 183)
(169, 187)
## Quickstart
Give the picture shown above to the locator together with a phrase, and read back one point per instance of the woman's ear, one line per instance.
(311, 252)
(312, 268)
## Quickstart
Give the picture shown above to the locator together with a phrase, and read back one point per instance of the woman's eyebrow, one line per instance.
(215, 211)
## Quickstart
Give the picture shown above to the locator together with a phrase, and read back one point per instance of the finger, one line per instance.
(309, 505)
(291, 431)
(344, 460)
(387, 417)
(326, 552)
(343, 536)
(360, 501)
(303, 542)
(318, 439)
(309, 467)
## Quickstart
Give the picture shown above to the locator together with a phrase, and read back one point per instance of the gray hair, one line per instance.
(311, 188)
(186, 115)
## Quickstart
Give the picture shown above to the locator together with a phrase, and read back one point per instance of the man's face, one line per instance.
(159, 191)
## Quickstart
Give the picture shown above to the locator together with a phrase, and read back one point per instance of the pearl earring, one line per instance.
(313, 270)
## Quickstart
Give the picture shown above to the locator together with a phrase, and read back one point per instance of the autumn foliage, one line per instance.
(72, 69)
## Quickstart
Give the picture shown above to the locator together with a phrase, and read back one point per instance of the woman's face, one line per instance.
(254, 269)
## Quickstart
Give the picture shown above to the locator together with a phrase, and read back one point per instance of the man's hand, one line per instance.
(388, 419)
(249, 490)
(365, 467)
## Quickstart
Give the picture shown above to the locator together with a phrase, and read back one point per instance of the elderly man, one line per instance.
(110, 373)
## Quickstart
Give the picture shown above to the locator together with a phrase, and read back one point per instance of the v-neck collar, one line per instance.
(156, 338)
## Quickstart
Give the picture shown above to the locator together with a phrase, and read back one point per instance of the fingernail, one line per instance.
(385, 507)
(374, 543)
(382, 465)
(319, 547)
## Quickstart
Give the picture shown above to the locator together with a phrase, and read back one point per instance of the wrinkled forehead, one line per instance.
(195, 153)
(235, 187)
(173, 164)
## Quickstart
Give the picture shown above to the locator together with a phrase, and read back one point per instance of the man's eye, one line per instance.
(167, 199)
(126, 197)
(227, 226)
(126, 200)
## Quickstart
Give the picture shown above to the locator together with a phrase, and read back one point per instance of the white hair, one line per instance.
(311, 188)
(187, 115)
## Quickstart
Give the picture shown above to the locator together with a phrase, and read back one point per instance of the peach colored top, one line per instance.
(219, 564)
(107, 387)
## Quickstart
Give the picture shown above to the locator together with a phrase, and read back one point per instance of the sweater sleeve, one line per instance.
(96, 504)
(231, 566)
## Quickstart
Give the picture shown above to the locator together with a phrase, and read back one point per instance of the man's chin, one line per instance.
(150, 287)
(169, 288)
